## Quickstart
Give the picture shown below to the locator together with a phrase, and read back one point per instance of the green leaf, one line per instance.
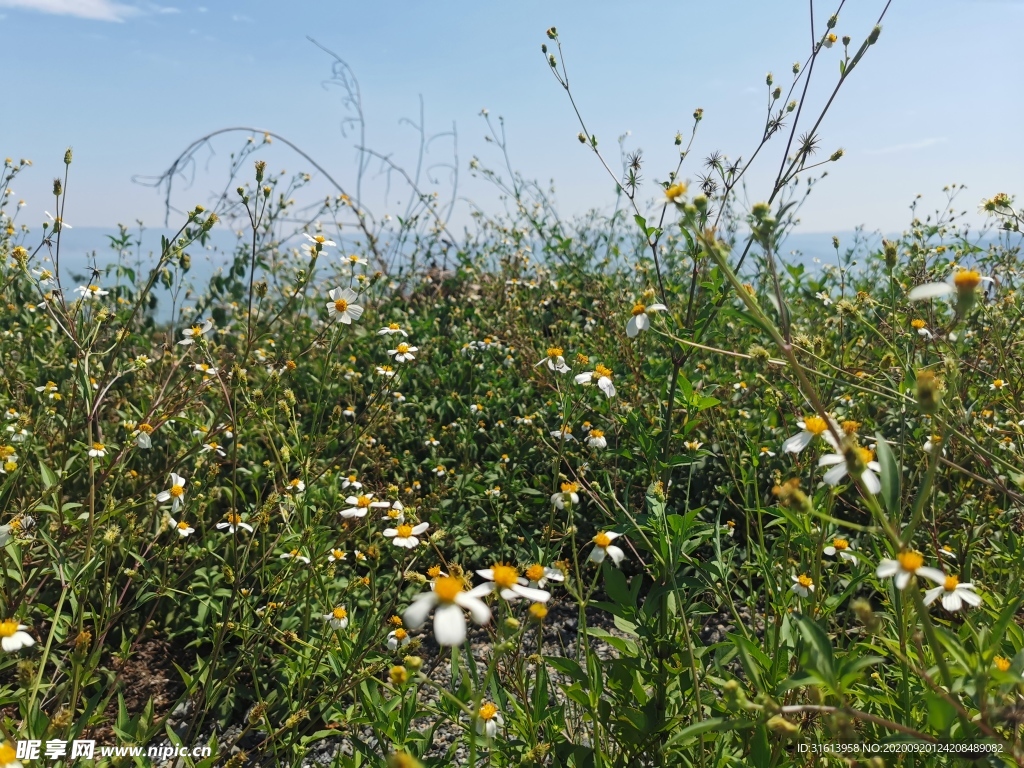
(890, 476)
(49, 479)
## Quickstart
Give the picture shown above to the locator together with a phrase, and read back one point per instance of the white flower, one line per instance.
(184, 529)
(213, 447)
(554, 360)
(352, 481)
(449, 623)
(824, 297)
(765, 451)
(907, 564)
(439, 470)
(175, 493)
(398, 638)
(964, 283)
(998, 384)
(358, 506)
(810, 427)
(354, 259)
(316, 244)
(506, 581)
(931, 442)
(98, 450)
(206, 369)
(58, 223)
(295, 486)
(954, 594)
(233, 521)
(392, 328)
(829, 40)
(336, 555)
(839, 468)
(564, 434)
(802, 585)
(195, 333)
(538, 575)
(604, 379)
(338, 618)
(403, 352)
(597, 439)
(568, 495)
(843, 548)
(295, 555)
(431, 442)
(640, 321)
(603, 547)
(693, 445)
(488, 721)
(342, 306)
(386, 371)
(406, 535)
(90, 291)
(349, 412)
(13, 636)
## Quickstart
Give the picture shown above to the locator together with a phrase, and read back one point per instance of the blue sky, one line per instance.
(129, 84)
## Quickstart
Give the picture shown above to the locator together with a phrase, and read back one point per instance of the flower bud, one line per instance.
(58, 188)
(889, 248)
(552, 33)
(929, 391)
(873, 37)
(261, 166)
(67, 156)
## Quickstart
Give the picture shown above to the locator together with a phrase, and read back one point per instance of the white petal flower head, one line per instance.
(538, 575)
(175, 494)
(596, 439)
(604, 379)
(506, 581)
(338, 618)
(406, 535)
(603, 548)
(295, 555)
(802, 585)
(555, 360)
(316, 243)
(98, 450)
(91, 291)
(398, 638)
(489, 720)
(568, 495)
(58, 223)
(196, 332)
(810, 427)
(232, 522)
(451, 599)
(392, 328)
(963, 284)
(13, 636)
(295, 486)
(953, 594)
(907, 564)
(341, 305)
(564, 434)
(359, 505)
(403, 352)
(184, 529)
(640, 321)
(840, 469)
(841, 547)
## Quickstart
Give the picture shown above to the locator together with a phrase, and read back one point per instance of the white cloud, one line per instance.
(909, 147)
(98, 10)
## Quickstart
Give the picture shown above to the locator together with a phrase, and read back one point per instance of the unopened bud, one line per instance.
(929, 391)
(261, 166)
(67, 156)
(873, 37)
(58, 188)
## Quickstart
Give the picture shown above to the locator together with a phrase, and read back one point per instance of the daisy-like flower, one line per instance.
(397, 513)
(564, 434)
(316, 243)
(398, 638)
(640, 321)
(506, 581)
(555, 360)
(931, 442)
(174, 494)
(596, 439)
(488, 720)
(841, 547)
(338, 618)
(50, 390)
(58, 223)
(11, 414)
(675, 194)
(802, 585)
(386, 371)
(352, 481)
(840, 469)
(13, 636)
(811, 427)
(964, 283)
(341, 305)
(432, 442)
(495, 491)
(765, 451)
(403, 352)
(824, 298)
(91, 291)
(998, 384)
(98, 451)
(349, 412)
(568, 495)
(184, 529)
(406, 535)
(142, 433)
(9, 755)
(232, 522)
(921, 327)
(391, 328)
(196, 332)
(604, 379)
(336, 555)
(295, 555)
(353, 259)
(212, 447)
(829, 40)
(206, 369)
(295, 486)
(954, 594)
(908, 563)
(692, 445)
(603, 548)
(538, 575)
(451, 599)
(440, 470)
(359, 505)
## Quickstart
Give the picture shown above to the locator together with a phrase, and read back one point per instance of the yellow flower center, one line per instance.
(850, 427)
(951, 583)
(8, 754)
(1002, 663)
(213, 446)
(6, 451)
(840, 544)
(320, 239)
(396, 621)
(434, 571)
(554, 352)
(197, 330)
(394, 326)
(233, 518)
(146, 428)
(602, 540)
(676, 190)
(183, 525)
(93, 288)
(338, 554)
(7, 629)
(966, 280)
(535, 572)
(918, 324)
(363, 502)
(602, 372)
(804, 581)
(570, 487)
(505, 576)
(866, 454)
(339, 613)
(403, 348)
(488, 711)
(998, 383)
(447, 588)
(98, 447)
(596, 433)
(638, 309)
(832, 37)
(405, 531)
(401, 634)
(340, 305)
(910, 561)
(177, 491)
(815, 425)
(295, 483)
